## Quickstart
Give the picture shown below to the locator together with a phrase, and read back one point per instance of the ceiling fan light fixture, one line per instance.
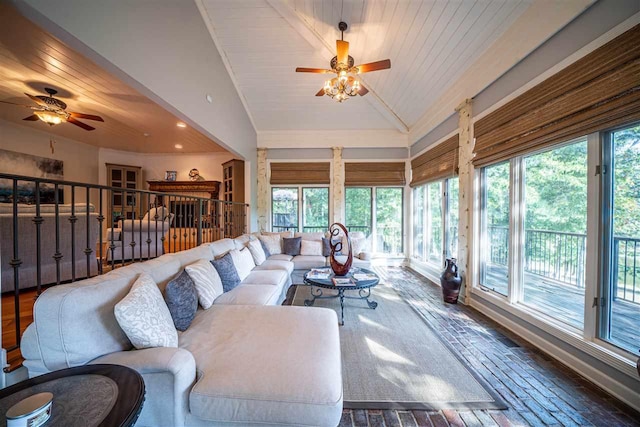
(51, 117)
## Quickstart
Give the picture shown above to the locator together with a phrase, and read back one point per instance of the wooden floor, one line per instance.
(566, 303)
(538, 390)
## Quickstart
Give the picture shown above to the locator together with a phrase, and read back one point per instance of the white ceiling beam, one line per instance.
(326, 50)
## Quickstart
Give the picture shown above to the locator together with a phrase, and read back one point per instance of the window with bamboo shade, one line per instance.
(374, 174)
(437, 163)
(300, 173)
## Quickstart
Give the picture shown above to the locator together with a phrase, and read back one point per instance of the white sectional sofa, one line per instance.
(244, 361)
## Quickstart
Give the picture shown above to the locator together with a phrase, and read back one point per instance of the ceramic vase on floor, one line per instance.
(450, 281)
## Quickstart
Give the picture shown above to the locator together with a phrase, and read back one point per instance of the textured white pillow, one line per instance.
(207, 282)
(273, 243)
(310, 247)
(144, 317)
(243, 261)
(357, 245)
(257, 252)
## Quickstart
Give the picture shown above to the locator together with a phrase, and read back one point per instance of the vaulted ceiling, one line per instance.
(431, 45)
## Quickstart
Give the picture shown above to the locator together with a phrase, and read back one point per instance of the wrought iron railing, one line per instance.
(561, 256)
(45, 241)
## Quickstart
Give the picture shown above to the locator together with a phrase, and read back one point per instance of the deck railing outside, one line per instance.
(561, 257)
(54, 231)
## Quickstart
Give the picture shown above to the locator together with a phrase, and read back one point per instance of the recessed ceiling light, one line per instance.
(145, 134)
(209, 98)
(181, 125)
(178, 146)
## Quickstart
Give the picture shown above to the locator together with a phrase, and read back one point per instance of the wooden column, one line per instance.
(337, 185)
(262, 208)
(465, 201)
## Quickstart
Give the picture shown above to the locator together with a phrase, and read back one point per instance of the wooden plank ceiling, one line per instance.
(32, 59)
(430, 44)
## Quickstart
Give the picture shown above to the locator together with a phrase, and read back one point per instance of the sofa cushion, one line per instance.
(326, 246)
(358, 245)
(273, 244)
(250, 295)
(192, 255)
(279, 390)
(220, 247)
(282, 234)
(227, 272)
(280, 257)
(182, 300)
(307, 262)
(206, 281)
(144, 317)
(311, 247)
(357, 262)
(315, 236)
(243, 261)
(291, 246)
(257, 252)
(267, 254)
(274, 264)
(267, 277)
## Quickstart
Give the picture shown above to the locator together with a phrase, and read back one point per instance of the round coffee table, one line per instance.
(91, 395)
(362, 286)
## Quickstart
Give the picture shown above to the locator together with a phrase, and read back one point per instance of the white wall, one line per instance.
(154, 165)
(80, 160)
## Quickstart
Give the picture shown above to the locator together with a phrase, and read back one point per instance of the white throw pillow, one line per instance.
(144, 317)
(310, 247)
(207, 282)
(273, 243)
(257, 252)
(357, 245)
(243, 261)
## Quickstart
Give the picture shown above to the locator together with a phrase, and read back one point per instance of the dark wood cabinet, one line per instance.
(233, 191)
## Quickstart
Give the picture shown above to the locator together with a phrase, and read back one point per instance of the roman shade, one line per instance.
(300, 173)
(437, 163)
(597, 92)
(368, 174)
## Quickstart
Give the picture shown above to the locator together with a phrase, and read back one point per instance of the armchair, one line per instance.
(139, 238)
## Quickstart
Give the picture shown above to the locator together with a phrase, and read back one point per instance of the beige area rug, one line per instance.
(392, 359)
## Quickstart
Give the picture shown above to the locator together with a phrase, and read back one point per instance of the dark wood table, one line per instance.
(91, 395)
(362, 286)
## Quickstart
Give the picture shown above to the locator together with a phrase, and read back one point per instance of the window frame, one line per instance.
(300, 214)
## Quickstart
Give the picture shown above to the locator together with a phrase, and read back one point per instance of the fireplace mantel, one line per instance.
(187, 188)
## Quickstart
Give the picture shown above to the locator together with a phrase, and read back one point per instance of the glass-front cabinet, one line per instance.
(123, 204)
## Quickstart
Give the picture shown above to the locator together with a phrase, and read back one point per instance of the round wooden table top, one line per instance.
(90, 395)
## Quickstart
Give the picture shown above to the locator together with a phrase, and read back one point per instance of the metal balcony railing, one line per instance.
(54, 231)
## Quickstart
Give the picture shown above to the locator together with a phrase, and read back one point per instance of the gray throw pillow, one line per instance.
(227, 272)
(326, 247)
(291, 246)
(182, 300)
(265, 249)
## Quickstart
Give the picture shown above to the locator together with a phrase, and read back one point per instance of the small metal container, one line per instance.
(30, 412)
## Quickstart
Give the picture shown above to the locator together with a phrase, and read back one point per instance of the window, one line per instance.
(419, 221)
(434, 223)
(555, 232)
(452, 216)
(378, 212)
(494, 251)
(620, 312)
(286, 212)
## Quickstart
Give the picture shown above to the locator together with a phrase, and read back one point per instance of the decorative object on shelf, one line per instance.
(194, 175)
(450, 281)
(345, 85)
(170, 175)
(32, 411)
(336, 247)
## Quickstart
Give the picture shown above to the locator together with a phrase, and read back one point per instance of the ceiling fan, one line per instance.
(52, 111)
(345, 84)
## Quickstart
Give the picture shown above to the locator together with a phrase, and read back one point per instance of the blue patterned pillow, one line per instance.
(291, 246)
(182, 300)
(265, 249)
(326, 247)
(227, 272)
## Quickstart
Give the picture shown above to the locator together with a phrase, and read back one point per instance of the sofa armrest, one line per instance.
(365, 256)
(168, 373)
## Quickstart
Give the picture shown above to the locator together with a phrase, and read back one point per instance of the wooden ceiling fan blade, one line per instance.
(87, 116)
(31, 118)
(320, 92)
(342, 49)
(79, 124)
(374, 66)
(36, 100)
(312, 70)
(363, 90)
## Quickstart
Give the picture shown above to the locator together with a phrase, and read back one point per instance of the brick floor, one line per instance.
(539, 390)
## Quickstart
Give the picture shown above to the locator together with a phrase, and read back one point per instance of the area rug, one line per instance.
(392, 359)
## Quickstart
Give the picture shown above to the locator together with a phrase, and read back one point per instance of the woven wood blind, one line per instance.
(438, 163)
(368, 174)
(599, 91)
(300, 173)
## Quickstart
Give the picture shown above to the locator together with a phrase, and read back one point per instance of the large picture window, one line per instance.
(295, 206)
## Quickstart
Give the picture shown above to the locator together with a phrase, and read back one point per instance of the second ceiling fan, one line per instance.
(345, 85)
